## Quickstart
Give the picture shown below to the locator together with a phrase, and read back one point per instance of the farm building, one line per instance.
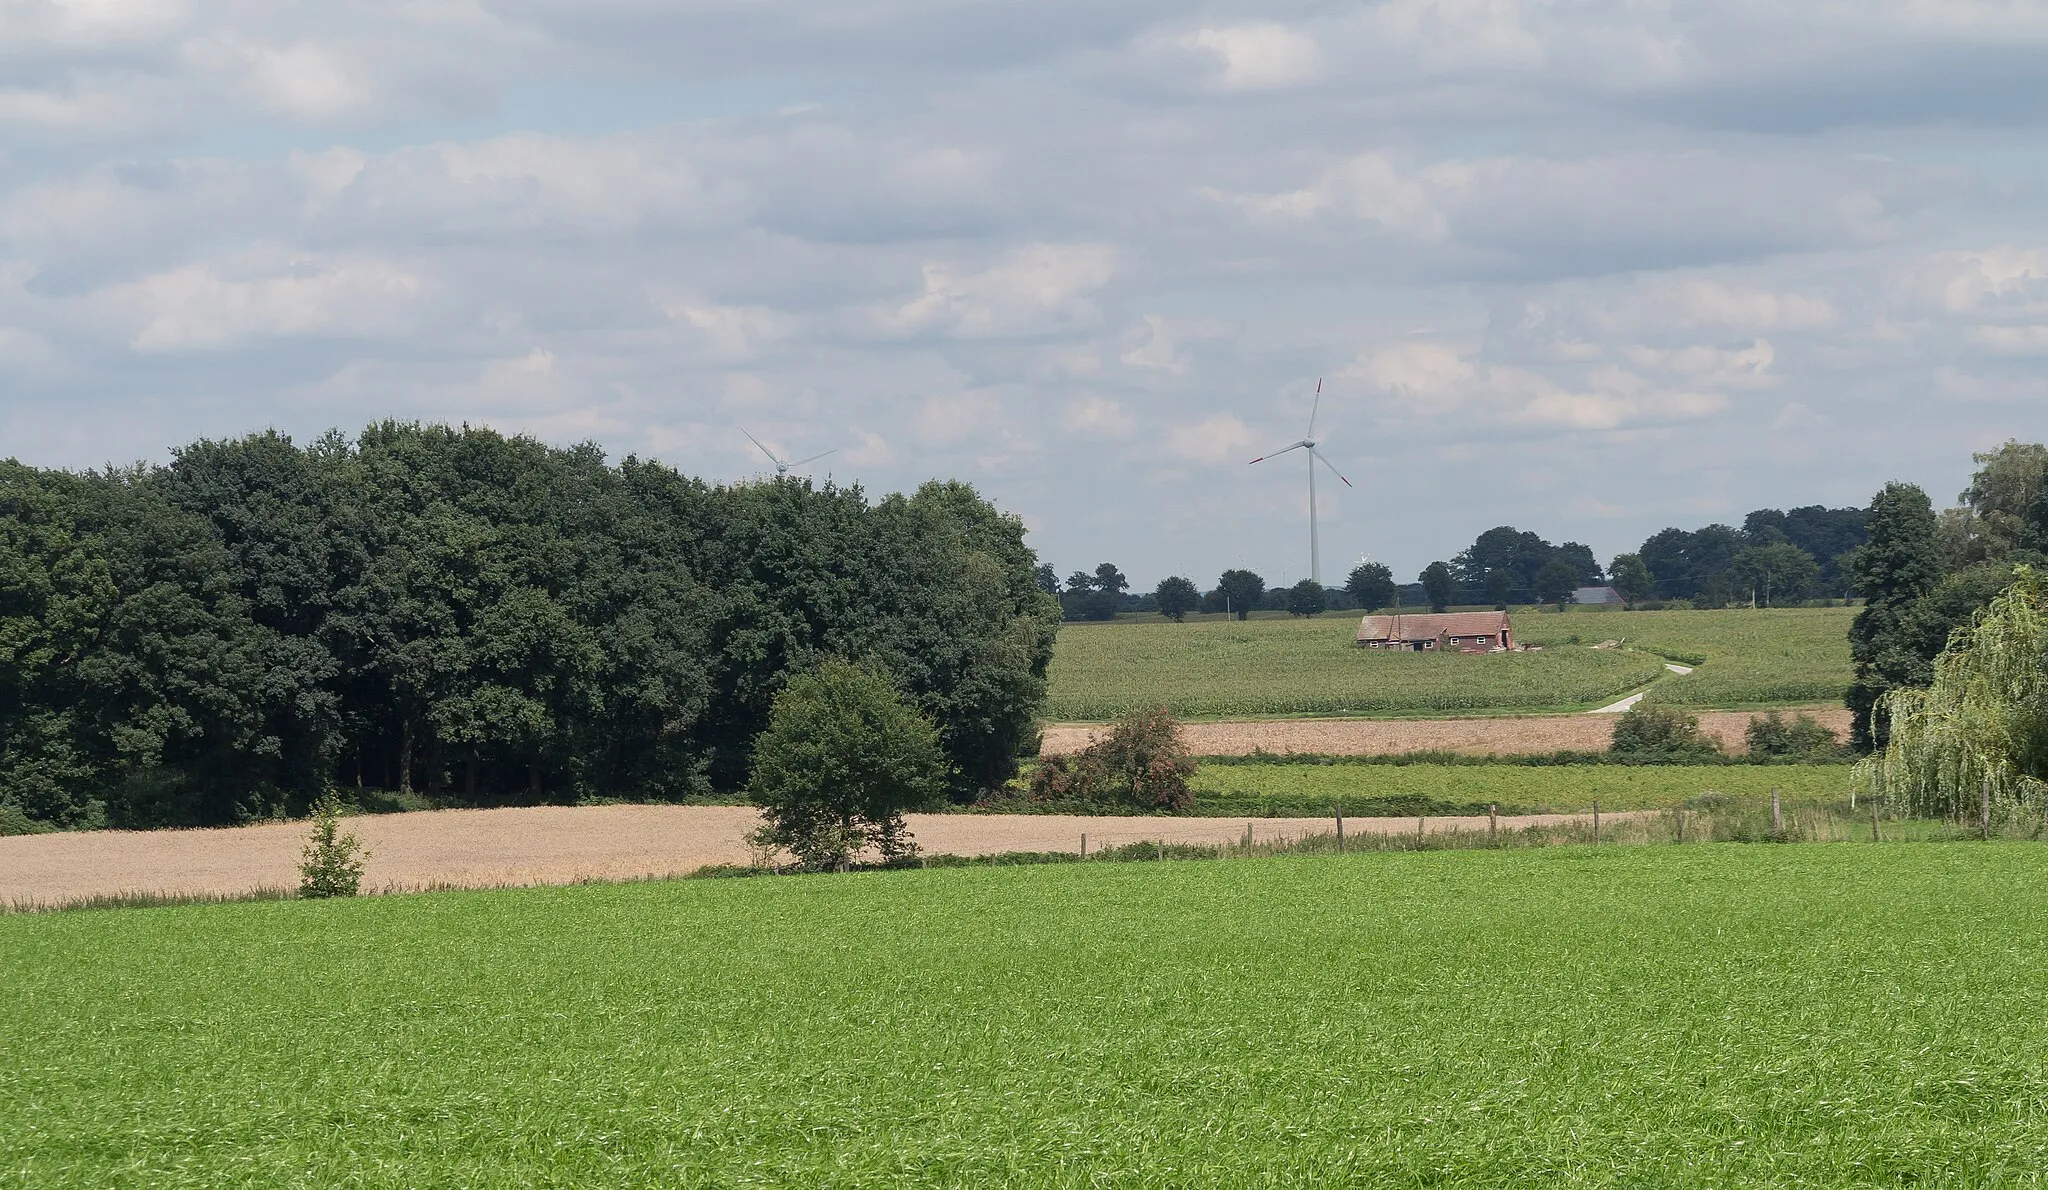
(1597, 596)
(1465, 632)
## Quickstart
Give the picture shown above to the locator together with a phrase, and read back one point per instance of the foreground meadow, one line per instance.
(1704, 1015)
(1310, 666)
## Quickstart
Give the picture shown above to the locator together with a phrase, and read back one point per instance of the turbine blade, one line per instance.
(764, 450)
(1327, 463)
(814, 458)
(1276, 454)
(1315, 408)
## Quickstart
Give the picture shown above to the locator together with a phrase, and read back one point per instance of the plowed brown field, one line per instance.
(1379, 737)
(560, 845)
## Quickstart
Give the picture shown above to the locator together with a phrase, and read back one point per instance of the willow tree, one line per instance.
(1982, 723)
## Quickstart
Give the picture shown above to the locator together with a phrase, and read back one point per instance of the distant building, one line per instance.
(1596, 595)
(1464, 632)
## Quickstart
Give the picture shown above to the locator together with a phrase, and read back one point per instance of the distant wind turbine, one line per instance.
(783, 465)
(1308, 443)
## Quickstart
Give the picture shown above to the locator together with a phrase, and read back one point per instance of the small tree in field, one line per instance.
(1307, 598)
(332, 863)
(843, 757)
(1372, 585)
(1556, 582)
(1177, 597)
(1437, 585)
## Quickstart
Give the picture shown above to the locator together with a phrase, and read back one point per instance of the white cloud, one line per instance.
(198, 307)
(1259, 56)
(1212, 439)
(1097, 417)
(1030, 290)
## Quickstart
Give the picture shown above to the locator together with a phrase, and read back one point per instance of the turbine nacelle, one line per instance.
(783, 465)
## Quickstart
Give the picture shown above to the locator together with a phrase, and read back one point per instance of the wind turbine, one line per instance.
(782, 465)
(1308, 443)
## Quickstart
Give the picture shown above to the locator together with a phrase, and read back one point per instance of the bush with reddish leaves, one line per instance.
(1141, 764)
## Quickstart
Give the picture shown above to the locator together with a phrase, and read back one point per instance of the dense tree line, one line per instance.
(1925, 574)
(1776, 557)
(483, 617)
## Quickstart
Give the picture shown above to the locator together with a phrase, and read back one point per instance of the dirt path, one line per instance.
(561, 845)
(1377, 737)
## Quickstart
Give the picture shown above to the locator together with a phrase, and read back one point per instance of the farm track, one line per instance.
(1382, 737)
(563, 845)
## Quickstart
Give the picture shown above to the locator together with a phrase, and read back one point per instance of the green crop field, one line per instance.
(1314, 789)
(1724, 1015)
(1312, 666)
(1224, 668)
(1745, 658)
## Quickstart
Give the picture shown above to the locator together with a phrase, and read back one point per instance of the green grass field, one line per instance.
(1727, 1015)
(1310, 789)
(1223, 668)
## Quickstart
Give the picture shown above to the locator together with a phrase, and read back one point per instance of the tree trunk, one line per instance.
(533, 785)
(469, 779)
(405, 758)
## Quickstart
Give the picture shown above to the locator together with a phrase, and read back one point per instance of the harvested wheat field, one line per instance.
(1379, 737)
(560, 845)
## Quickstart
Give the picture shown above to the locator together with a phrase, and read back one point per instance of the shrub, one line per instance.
(332, 863)
(1647, 729)
(1142, 764)
(1771, 735)
(843, 757)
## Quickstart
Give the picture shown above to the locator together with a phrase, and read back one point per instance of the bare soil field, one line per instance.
(561, 845)
(1379, 737)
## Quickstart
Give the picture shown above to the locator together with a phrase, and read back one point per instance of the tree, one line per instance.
(331, 865)
(1241, 591)
(1771, 735)
(1088, 598)
(1499, 585)
(1307, 598)
(1437, 585)
(1981, 725)
(1177, 597)
(1109, 580)
(1047, 578)
(1372, 585)
(1631, 579)
(1503, 548)
(1556, 582)
(1776, 574)
(843, 757)
(2003, 495)
(1580, 558)
(1898, 565)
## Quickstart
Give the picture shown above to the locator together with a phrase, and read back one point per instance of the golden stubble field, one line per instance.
(1383, 737)
(562, 845)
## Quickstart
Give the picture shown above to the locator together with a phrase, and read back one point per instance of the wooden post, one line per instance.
(1777, 816)
(1492, 825)
(1596, 822)
(1984, 809)
(1340, 826)
(1084, 844)
(1161, 852)
(1247, 836)
(1681, 824)
(1876, 835)
(1418, 831)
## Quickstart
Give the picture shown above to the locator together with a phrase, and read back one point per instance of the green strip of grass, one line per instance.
(1650, 1016)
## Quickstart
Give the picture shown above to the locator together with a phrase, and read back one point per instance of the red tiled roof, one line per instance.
(1429, 627)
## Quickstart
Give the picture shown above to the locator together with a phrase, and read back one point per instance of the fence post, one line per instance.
(1084, 844)
(1161, 852)
(1493, 824)
(1247, 836)
(1876, 835)
(1984, 809)
(1681, 824)
(1340, 826)
(1596, 822)
(1418, 832)
(1777, 816)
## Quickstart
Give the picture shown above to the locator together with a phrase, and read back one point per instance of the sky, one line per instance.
(1585, 267)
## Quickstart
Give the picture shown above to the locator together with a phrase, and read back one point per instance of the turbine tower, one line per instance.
(1308, 443)
(783, 465)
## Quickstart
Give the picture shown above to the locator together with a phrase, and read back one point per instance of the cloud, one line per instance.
(1097, 417)
(1259, 56)
(1213, 439)
(199, 307)
(1029, 290)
